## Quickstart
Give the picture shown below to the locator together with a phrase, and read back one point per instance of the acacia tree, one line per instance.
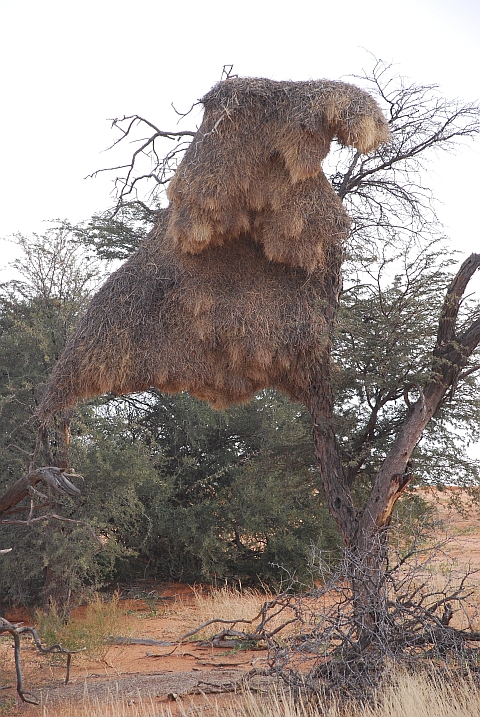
(37, 312)
(180, 467)
(385, 196)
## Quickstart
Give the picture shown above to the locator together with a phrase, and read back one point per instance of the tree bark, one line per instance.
(55, 441)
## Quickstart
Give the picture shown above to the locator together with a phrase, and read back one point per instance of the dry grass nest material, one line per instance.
(255, 167)
(221, 325)
(232, 291)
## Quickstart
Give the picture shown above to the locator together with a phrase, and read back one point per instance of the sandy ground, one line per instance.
(168, 673)
(463, 528)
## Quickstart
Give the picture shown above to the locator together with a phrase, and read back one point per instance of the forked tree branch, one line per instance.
(450, 356)
(52, 477)
(162, 167)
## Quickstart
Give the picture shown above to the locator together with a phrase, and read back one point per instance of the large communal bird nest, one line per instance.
(231, 292)
(255, 167)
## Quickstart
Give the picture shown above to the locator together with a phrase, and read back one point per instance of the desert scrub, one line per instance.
(87, 629)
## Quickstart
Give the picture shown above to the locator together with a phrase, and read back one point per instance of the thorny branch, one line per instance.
(61, 519)
(384, 191)
(412, 626)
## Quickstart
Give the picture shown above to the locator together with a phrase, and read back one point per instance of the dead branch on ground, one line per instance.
(413, 626)
(16, 631)
(263, 632)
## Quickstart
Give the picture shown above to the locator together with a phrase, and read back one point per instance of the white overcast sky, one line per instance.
(68, 66)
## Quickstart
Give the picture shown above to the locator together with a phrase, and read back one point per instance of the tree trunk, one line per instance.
(55, 443)
(365, 531)
(365, 544)
(56, 592)
(366, 560)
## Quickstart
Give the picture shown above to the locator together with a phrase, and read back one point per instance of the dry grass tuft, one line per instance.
(221, 603)
(426, 695)
(227, 602)
(88, 630)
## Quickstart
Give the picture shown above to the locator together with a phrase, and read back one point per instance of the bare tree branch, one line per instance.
(52, 477)
(162, 167)
(16, 631)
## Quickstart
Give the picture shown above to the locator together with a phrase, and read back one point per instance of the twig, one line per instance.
(119, 640)
(166, 654)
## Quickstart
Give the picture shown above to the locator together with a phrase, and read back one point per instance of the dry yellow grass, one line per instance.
(428, 696)
(86, 630)
(408, 696)
(229, 603)
(221, 603)
(424, 694)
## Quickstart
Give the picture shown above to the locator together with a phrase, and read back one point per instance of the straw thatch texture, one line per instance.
(235, 289)
(221, 325)
(255, 167)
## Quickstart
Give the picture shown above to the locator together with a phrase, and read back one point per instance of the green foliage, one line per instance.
(117, 237)
(383, 350)
(232, 494)
(37, 313)
(172, 487)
